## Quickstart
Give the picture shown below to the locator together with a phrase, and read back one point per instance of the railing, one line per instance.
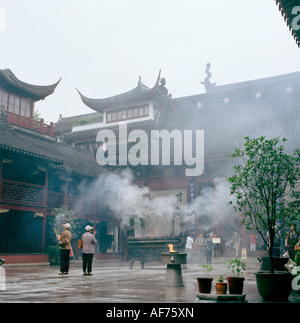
(31, 124)
(23, 194)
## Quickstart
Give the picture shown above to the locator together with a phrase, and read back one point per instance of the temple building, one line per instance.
(43, 167)
(226, 114)
(37, 173)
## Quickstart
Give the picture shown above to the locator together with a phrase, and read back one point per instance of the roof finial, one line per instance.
(163, 90)
(140, 83)
(207, 83)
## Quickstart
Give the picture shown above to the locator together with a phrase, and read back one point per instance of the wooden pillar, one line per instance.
(45, 211)
(42, 121)
(32, 110)
(51, 128)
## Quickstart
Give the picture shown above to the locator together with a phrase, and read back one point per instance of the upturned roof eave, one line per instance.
(37, 92)
(139, 93)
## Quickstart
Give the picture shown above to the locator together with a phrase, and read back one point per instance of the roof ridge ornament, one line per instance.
(207, 83)
(140, 83)
(163, 90)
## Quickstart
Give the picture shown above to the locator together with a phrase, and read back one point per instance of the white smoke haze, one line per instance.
(118, 195)
(212, 206)
(60, 220)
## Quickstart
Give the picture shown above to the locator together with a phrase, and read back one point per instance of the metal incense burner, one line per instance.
(173, 260)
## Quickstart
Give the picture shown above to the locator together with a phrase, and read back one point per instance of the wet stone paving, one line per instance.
(116, 283)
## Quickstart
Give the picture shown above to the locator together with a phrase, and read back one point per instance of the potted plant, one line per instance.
(221, 286)
(204, 283)
(264, 186)
(235, 282)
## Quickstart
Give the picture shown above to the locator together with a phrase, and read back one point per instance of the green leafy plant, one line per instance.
(208, 268)
(297, 258)
(236, 266)
(53, 251)
(84, 121)
(220, 279)
(264, 185)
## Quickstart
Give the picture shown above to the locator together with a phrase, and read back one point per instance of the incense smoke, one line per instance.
(117, 195)
(212, 206)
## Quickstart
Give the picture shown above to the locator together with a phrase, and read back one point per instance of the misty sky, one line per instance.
(102, 46)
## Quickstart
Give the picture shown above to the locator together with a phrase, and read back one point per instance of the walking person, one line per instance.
(64, 241)
(88, 249)
(208, 248)
(200, 243)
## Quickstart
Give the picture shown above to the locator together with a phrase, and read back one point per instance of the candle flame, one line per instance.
(171, 248)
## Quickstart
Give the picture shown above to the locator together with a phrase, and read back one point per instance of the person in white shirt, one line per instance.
(189, 248)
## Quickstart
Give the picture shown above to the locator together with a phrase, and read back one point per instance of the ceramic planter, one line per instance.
(204, 284)
(235, 285)
(221, 287)
(274, 287)
(278, 263)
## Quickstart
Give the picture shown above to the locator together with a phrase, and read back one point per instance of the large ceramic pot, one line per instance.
(278, 263)
(275, 287)
(204, 284)
(235, 285)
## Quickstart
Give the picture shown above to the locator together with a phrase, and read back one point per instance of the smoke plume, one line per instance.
(117, 195)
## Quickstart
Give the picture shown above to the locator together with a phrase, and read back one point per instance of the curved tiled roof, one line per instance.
(58, 155)
(37, 92)
(266, 107)
(141, 92)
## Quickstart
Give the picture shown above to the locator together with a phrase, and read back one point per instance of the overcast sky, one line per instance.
(102, 46)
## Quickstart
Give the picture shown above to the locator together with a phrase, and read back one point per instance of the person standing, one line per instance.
(292, 239)
(213, 236)
(64, 241)
(189, 248)
(209, 248)
(200, 243)
(252, 242)
(236, 243)
(88, 250)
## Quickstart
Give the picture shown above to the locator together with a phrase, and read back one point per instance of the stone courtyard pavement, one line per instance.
(116, 283)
